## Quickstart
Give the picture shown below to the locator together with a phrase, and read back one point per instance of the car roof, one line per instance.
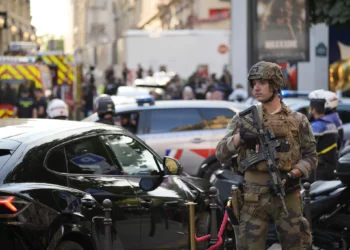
(165, 104)
(23, 130)
(296, 103)
(184, 104)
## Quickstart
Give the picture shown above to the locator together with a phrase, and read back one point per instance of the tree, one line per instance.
(331, 12)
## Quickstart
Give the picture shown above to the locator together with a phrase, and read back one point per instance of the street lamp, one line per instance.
(25, 35)
(32, 37)
(13, 29)
(3, 20)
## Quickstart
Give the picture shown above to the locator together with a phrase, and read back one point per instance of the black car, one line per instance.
(85, 163)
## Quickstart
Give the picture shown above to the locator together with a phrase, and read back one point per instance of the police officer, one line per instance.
(25, 106)
(296, 158)
(331, 104)
(326, 135)
(57, 109)
(106, 110)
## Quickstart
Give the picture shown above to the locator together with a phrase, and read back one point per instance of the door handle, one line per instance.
(197, 140)
(146, 203)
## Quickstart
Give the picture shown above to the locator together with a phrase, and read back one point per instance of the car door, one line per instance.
(179, 133)
(217, 120)
(163, 211)
(91, 169)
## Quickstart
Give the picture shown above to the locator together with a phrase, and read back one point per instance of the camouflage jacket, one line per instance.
(308, 161)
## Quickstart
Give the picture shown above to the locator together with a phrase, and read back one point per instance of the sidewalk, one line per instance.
(278, 247)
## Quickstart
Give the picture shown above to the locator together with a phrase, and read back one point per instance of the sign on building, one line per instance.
(280, 30)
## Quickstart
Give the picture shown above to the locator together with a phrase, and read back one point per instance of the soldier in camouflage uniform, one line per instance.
(296, 158)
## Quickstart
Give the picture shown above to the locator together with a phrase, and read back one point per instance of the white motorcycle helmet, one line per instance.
(57, 109)
(330, 97)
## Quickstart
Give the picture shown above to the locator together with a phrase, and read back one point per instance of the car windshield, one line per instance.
(5, 154)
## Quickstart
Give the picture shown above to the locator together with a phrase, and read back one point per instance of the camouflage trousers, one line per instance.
(260, 208)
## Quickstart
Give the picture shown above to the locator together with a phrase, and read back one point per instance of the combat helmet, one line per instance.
(267, 71)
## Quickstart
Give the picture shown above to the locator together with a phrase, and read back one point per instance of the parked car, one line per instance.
(186, 130)
(148, 195)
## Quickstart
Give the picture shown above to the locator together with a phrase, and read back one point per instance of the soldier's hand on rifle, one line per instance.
(249, 139)
(293, 174)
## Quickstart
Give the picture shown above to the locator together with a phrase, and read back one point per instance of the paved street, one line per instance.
(278, 247)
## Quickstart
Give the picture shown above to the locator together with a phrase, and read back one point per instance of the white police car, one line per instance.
(186, 130)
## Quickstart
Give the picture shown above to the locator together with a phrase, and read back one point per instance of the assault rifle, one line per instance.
(268, 152)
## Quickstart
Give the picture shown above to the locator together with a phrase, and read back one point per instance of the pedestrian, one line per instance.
(239, 94)
(40, 102)
(297, 157)
(326, 135)
(25, 106)
(187, 93)
(105, 110)
(139, 71)
(125, 73)
(150, 71)
(217, 93)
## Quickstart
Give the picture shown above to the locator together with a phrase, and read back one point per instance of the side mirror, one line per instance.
(172, 166)
(149, 183)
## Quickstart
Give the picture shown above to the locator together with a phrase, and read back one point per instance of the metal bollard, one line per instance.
(191, 224)
(307, 199)
(107, 221)
(213, 207)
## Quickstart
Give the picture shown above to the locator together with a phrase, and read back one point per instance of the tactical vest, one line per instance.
(286, 130)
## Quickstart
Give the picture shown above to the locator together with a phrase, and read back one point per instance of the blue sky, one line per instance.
(51, 16)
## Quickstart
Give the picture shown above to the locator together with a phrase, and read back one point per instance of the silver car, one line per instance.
(186, 130)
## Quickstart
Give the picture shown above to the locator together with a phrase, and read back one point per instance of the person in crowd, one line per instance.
(187, 93)
(25, 106)
(239, 94)
(40, 102)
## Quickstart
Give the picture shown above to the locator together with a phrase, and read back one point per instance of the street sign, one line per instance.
(87, 159)
(321, 50)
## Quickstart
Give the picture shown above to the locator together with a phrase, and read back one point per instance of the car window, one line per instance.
(88, 156)
(128, 120)
(174, 120)
(344, 113)
(132, 156)
(217, 118)
(56, 160)
(5, 154)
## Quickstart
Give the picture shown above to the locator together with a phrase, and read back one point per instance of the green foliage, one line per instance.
(331, 12)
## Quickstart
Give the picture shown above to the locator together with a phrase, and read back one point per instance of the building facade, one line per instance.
(79, 23)
(15, 23)
(184, 14)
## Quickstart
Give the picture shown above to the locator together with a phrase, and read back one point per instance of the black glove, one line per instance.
(289, 177)
(249, 139)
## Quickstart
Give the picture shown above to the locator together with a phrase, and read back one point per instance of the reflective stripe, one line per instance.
(326, 150)
(325, 132)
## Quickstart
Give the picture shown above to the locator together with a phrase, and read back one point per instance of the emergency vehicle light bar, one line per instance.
(145, 100)
(294, 93)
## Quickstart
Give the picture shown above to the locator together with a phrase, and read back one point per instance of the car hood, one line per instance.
(199, 184)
